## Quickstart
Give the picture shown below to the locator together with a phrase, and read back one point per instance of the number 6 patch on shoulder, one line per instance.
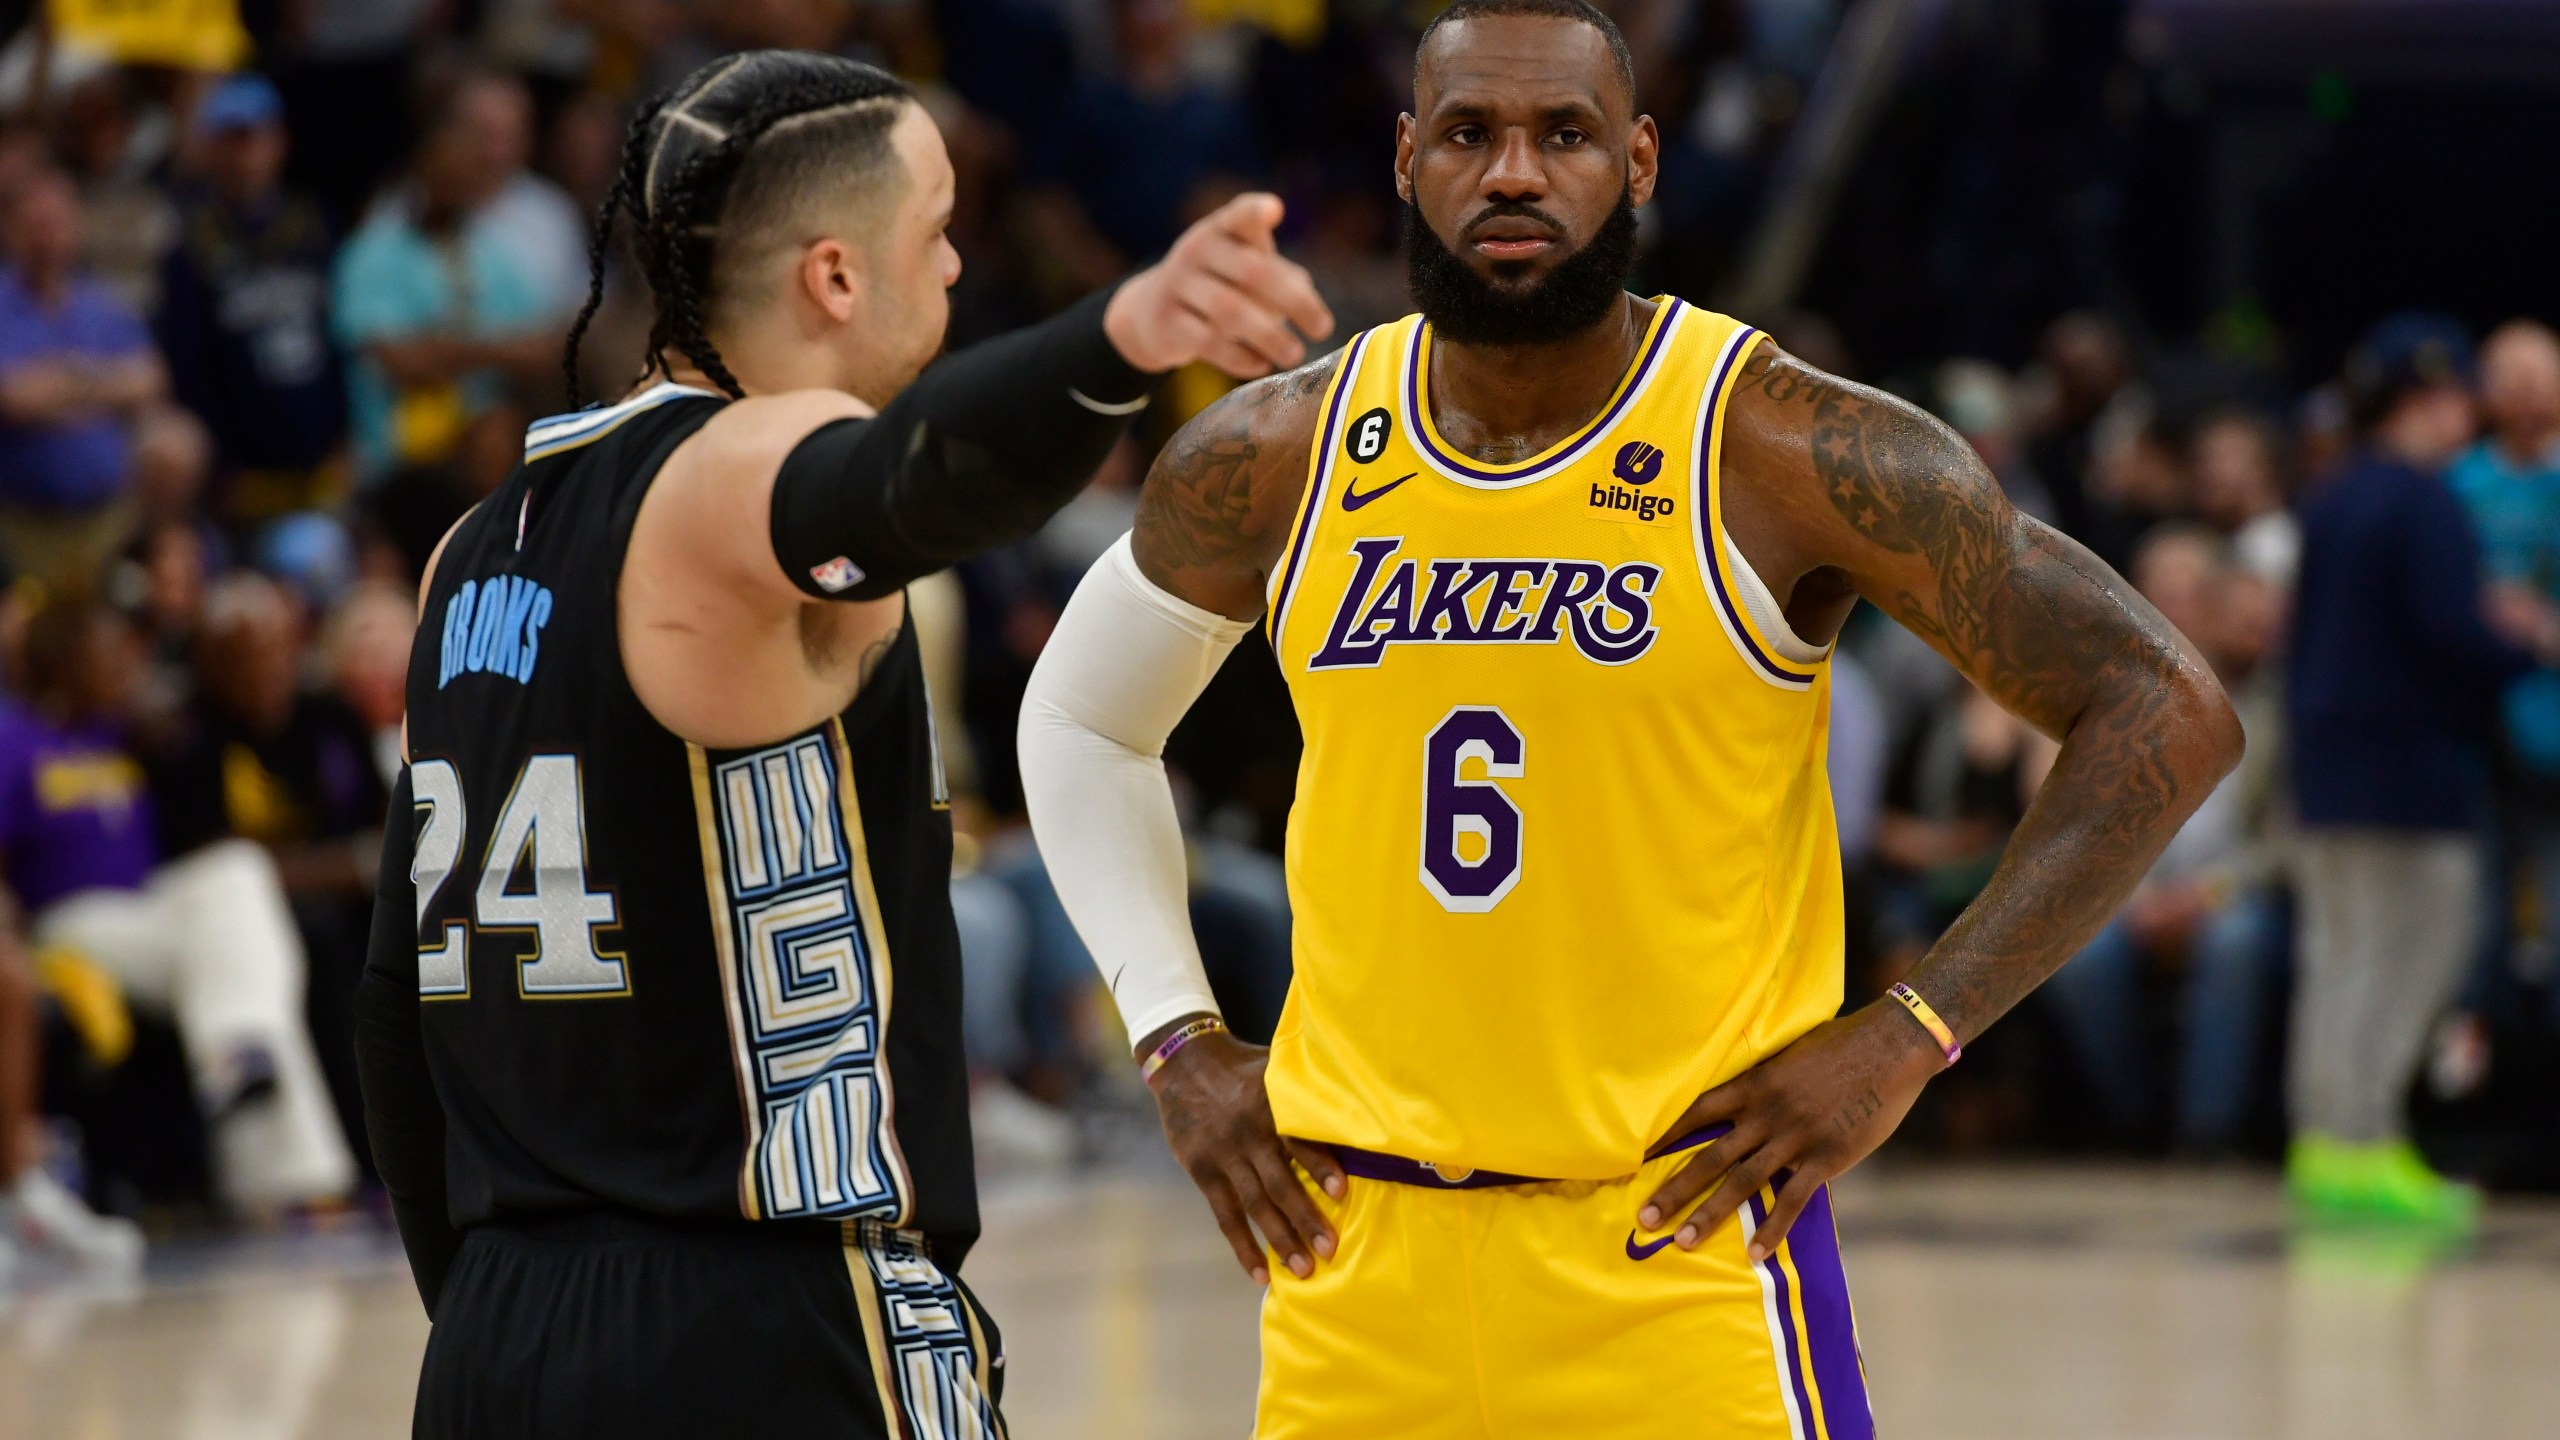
(1366, 440)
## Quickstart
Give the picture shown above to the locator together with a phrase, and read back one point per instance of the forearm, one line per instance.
(40, 394)
(404, 1118)
(2132, 769)
(1123, 665)
(979, 451)
(130, 383)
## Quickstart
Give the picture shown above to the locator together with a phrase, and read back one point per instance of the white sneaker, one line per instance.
(50, 1219)
(1012, 1130)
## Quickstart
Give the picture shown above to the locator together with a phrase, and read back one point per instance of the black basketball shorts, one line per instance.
(617, 1327)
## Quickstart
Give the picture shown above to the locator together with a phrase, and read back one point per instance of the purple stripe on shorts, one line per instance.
(1793, 1360)
(1831, 1335)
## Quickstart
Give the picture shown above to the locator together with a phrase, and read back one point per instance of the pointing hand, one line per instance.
(1223, 294)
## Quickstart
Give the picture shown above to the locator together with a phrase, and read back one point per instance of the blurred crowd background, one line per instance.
(2248, 298)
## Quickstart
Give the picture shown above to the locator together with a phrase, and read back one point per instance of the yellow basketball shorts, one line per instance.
(1536, 1310)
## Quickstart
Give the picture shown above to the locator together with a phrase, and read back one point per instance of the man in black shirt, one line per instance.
(244, 312)
(660, 1028)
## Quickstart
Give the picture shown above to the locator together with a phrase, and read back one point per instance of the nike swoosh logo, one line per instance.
(1644, 1251)
(1352, 499)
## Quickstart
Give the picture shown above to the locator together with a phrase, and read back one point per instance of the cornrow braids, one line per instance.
(682, 162)
(600, 246)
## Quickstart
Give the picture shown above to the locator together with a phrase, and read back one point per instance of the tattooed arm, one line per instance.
(1220, 496)
(1836, 492)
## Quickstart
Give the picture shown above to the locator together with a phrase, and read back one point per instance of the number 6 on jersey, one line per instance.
(1470, 829)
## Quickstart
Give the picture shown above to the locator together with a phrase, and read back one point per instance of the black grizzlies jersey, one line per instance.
(689, 982)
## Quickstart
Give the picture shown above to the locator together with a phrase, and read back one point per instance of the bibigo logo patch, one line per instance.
(1623, 497)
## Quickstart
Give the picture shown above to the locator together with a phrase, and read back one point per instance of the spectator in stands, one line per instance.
(75, 367)
(2239, 482)
(290, 766)
(2510, 480)
(37, 1212)
(244, 319)
(439, 314)
(1132, 156)
(117, 151)
(172, 461)
(2394, 672)
(2084, 400)
(349, 81)
(364, 651)
(2510, 484)
(1962, 777)
(526, 216)
(2208, 914)
(266, 757)
(1978, 401)
(207, 935)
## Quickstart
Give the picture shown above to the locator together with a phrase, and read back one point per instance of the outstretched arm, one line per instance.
(1144, 634)
(1847, 492)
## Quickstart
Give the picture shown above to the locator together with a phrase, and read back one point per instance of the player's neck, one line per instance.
(765, 365)
(1508, 402)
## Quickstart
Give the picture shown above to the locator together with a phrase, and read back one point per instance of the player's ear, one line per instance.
(1404, 158)
(831, 275)
(1644, 160)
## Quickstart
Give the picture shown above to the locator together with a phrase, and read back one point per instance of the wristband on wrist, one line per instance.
(1910, 1000)
(1182, 1035)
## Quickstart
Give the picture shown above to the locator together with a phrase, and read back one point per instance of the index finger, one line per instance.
(1319, 1163)
(1250, 217)
(1288, 289)
(1722, 1105)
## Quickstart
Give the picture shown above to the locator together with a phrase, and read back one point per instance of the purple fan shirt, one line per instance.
(73, 812)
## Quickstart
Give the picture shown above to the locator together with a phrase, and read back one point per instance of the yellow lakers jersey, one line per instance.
(1562, 854)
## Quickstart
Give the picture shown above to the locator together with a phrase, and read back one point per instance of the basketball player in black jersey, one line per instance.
(660, 1030)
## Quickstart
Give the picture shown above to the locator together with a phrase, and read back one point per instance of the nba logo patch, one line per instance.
(1623, 497)
(837, 575)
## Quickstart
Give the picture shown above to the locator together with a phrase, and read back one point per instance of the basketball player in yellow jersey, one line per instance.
(1552, 572)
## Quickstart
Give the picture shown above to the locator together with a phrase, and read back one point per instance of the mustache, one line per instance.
(1512, 210)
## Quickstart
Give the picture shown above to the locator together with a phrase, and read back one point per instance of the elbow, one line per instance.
(2205, 714)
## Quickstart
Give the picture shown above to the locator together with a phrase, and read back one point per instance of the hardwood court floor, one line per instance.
(1995, 1304)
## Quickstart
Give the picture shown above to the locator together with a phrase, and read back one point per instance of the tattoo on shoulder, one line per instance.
(1200, 509)
(1907, 484)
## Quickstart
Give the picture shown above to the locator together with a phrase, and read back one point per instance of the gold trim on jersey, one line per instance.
(563, 433)
(869, 899)
(1413, 397)
(715, 887)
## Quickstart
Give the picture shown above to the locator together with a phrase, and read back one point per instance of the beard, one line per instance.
(1465, 307)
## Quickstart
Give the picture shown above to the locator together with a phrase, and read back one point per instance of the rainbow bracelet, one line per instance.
(1910, 1000)
(1182, 1035)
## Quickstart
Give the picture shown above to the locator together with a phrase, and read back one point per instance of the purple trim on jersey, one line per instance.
(1414, 412)
(1315, 482)
(1708, 544)
(1793, 1360)
(1831, 1335)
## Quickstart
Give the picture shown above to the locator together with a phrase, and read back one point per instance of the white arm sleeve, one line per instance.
(1124, 664)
